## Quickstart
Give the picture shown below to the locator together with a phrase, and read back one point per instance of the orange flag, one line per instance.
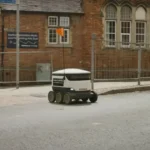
(60, 31)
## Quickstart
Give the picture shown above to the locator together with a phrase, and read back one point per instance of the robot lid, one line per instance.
(71, 71)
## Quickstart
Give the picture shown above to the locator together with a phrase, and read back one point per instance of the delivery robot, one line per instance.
(71, 84)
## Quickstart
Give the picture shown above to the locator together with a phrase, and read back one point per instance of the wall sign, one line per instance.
(27, 40)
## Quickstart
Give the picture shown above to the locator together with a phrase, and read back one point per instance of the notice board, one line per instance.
(27, 40)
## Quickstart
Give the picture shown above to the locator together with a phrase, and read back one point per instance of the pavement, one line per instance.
(105, 88)
(24, 95)
(115, 122)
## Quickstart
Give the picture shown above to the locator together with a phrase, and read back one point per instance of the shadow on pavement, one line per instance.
(75, 103)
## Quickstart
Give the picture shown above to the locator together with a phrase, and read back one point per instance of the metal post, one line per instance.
(51, 66)
(17, 42)
(3, 47)
(139, 64)
(92, 60)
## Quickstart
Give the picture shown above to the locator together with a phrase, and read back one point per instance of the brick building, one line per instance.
(118, 24)
(40, 19)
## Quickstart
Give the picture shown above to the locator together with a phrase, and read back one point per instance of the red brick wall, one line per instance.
(92, 24)
(36, 22)
(109, 58)
(79, 55)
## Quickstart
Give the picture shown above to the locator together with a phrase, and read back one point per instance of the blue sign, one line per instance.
(8, 1)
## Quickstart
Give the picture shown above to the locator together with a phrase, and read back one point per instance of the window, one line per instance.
(52, 36)
(110, 33)
(125, 33)
(55, 22)
(111, 12)
(126, 13)
(125, 26)
(110, 25)
(140, 26)
(64, 21)
(65, 38)
(140, 33)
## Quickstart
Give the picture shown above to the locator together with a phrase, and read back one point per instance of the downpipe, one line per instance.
(2, 50)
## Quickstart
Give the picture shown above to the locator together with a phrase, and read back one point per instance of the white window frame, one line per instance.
(56, 17)
(129, 34)
(68, 21)
(56, 37)
(68, 33)
(58, 24)
(141, 34)
(110, 33)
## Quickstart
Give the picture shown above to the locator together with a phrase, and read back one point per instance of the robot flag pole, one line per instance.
(63, 57)
(60, 31)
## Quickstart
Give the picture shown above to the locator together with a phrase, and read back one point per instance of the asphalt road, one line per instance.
(115, 122)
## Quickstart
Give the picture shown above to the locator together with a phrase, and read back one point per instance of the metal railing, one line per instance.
(119, 63)
(107, 63)
(27, 67)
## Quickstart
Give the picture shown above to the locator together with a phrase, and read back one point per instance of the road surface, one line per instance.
(115, 122)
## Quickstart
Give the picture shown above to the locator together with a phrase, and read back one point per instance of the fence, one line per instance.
(115, 61)
(34, 67)
(127, 61)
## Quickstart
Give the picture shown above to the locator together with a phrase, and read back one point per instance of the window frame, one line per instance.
(108, 45)
(125, 46)
(141, 21)
(67, 19)
(58, 25)
(68, 39)
(49, 35)
(57, 18)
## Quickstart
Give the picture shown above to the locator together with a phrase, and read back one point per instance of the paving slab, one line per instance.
(24, 95)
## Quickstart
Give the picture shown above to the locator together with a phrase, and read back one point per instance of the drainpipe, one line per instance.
(2, 49)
